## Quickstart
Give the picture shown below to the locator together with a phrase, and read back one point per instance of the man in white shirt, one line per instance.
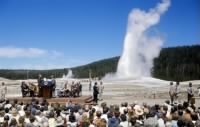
(190, 92)
(177, 92)
(101, 88)
(171, 92)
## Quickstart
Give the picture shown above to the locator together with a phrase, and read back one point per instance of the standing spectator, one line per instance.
(101, 88)
(3, 91)
(95, 93)
(190, 92)
(80, 88)
(171, 92)
(90, 85)
(53, 81)
(198, 90)
(177, 92)
(40, 82)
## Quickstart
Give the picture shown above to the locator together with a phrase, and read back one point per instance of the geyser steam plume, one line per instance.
(69, 74)
(139, 48)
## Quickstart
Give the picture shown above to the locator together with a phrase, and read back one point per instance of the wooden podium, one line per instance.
(47, 90)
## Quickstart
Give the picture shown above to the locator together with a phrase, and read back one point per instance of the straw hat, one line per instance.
(59, 121)
(14, 112)
(138, 110)
(190, 109)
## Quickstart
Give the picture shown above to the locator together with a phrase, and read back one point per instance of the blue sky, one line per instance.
(43, 34)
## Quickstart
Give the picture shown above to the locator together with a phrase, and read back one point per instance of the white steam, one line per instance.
(139, 48)
(69, 74)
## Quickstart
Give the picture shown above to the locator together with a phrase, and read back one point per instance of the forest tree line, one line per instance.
(175, 63)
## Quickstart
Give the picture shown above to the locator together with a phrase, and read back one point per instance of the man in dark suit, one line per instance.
(40, 82)
(53, 81)
(95, 93)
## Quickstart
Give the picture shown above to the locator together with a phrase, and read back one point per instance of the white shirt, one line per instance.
(104, 116)
(74, 124)
(101, 88)
(122, 110)
(161, 123)
(91, 125)
(124, 124)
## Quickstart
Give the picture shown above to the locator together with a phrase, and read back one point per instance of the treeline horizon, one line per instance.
(180, 63)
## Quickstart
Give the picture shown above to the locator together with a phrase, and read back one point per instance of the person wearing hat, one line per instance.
(138, 110)
(190, 92)
(59, 122)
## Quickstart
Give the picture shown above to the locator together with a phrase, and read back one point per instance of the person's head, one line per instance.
(32, 118)
(167, 102)
(102, 123)
(7, 101)
(3, 83)
(6, 118)
(123, 117)
(185, 104)
(109, 115)
(175, 116)
(6, 110)
(72, 118)
(171, 83)
(13, 122)
(190, 124)
(116, 114)
(190, 84)
(27, 113)
(21, 120)
(197, 123)
(39, 75)
(194, 116)
(51, 114)
(95, 83)
(180, 123)
(98, 114)
(133, 121)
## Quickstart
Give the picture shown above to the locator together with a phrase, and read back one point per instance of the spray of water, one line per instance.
(140, 48)
(69, 74)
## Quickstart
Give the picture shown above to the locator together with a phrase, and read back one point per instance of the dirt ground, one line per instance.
(118, 92)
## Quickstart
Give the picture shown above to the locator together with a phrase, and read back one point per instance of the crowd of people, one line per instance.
(43, 114)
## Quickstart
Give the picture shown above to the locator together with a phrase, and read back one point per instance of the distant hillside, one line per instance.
(176, 63)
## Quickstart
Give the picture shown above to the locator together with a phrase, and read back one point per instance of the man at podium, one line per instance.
(47, 88)
(53, 83)
(40, 82)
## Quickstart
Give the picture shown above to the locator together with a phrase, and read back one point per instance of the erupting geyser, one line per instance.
(139, 48)
(69, 74)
